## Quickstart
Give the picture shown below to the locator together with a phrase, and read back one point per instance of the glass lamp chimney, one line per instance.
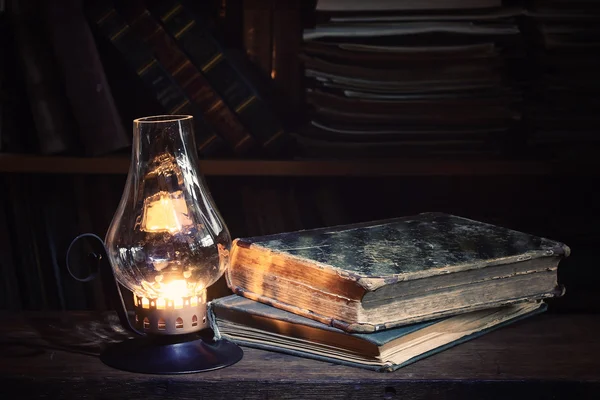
(167, 241)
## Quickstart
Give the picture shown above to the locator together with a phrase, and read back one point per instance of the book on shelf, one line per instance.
(188, 75)
(383, 29)
(229, 21)
(140, 58)
(100, 125)
(17, 126)
(382, 274)
(405, 5)
(477, 13)
(54, 125)
(363, 59)
(257, 34)
(252, 324)
(225, 73)
(287, 41)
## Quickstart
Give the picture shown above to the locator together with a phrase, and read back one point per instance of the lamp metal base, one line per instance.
(171, 354)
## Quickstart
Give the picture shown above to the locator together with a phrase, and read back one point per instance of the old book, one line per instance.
(257, 27)
(383, 105)
(382, 133)
(100, 125)
(408, 28)
(226, 74)
(257, 325)
(378, 275)
(139, 58)
(406, 5)
(287, 38)
(439, 15)
(492, 116)
(373, 54)
(49, 106)
(188, 76)
(424, 73)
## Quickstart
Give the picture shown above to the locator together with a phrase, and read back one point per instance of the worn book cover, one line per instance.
(378, 275)
(257, 325)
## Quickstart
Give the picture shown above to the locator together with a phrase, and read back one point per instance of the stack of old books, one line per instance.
(564, 104)
(383, 294)
(426, 77)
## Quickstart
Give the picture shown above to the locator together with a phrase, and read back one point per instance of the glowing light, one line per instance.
(160, 303)
(179, 303)
(174, 290)
(165, 212)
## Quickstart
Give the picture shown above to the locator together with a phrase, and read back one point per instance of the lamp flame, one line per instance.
(165, 212)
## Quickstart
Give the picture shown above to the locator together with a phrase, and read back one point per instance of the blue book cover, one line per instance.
(253, 324)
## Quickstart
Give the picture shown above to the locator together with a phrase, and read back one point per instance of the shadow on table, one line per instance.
(71, 333)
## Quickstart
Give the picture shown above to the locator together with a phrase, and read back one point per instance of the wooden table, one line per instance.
(547, 356)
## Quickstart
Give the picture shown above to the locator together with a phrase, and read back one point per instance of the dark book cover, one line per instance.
(258, 35)
(229, 21)
(140, 59)
(51, 111)
(168, 52)
(286, 68)
(225, 73)
(100, 126)
(345, 6)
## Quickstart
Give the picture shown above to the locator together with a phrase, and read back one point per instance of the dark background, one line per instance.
(40, 212)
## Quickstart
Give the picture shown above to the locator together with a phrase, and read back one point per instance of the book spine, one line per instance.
(230, 22)
(287, 42)
(49, 106)
(257, 23)
(225, 76)
(86, 85)
(140, 59)
(189, 78)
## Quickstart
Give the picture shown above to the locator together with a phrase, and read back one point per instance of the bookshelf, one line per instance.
(19, 163)
(526, 192)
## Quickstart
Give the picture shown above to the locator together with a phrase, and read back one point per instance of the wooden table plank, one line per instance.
(547, 356)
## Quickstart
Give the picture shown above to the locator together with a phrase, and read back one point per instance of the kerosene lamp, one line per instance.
(166, 244)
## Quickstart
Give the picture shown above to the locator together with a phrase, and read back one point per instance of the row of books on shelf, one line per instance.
(331, 78)
(457, 77)
(90, 67)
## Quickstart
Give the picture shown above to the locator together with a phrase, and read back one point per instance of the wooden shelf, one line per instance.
(16, 163)
(55, 355)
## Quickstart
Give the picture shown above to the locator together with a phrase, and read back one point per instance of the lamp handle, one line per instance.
(99, 260)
